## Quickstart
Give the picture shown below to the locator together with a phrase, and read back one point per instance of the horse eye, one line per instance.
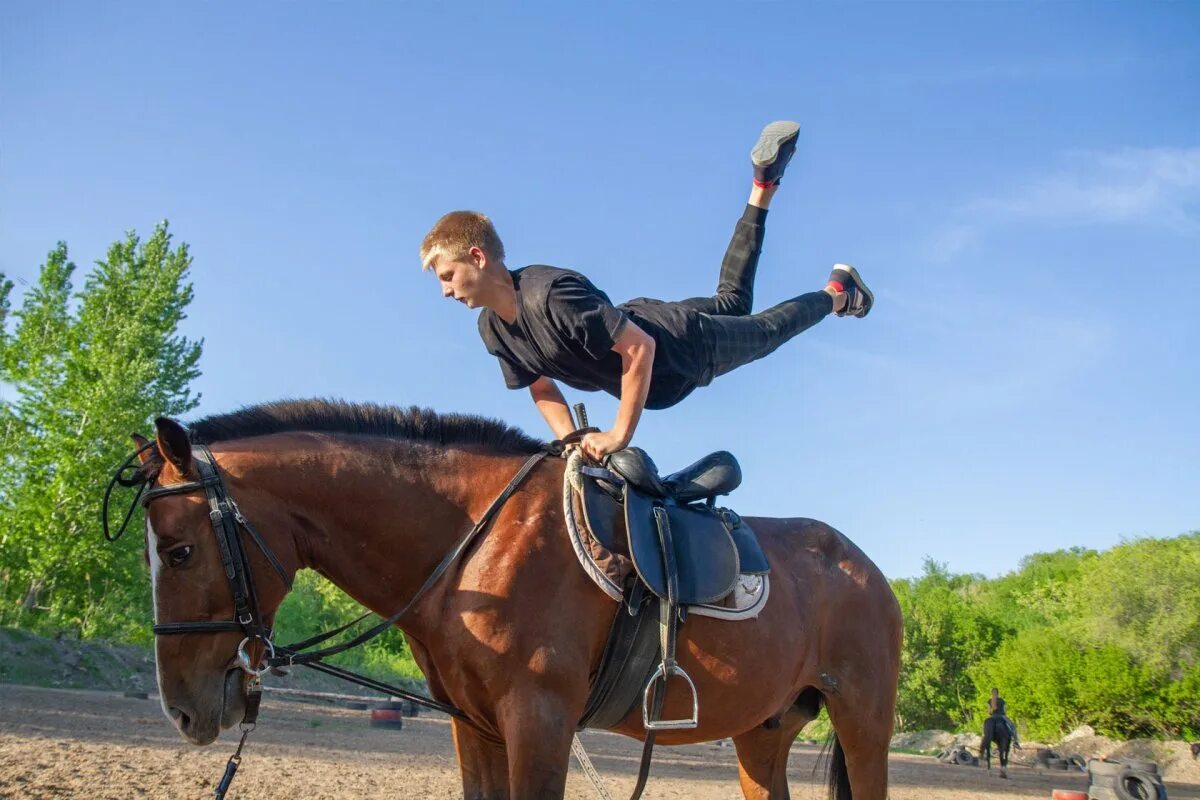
(179, 556)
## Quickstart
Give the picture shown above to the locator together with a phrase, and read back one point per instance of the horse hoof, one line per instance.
(1003, 774)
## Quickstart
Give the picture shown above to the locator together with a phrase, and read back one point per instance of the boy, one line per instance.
(546, 324)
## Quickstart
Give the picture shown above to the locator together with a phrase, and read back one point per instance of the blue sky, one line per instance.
(1020, 183)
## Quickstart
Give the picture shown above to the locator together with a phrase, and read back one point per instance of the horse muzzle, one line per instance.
(201, 718)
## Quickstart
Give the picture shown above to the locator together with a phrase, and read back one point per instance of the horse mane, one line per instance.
(370, 419)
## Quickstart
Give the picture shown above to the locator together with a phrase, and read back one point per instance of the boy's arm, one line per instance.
(636, 348)
(550, 401)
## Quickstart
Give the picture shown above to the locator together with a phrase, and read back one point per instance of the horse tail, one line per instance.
(839, 777)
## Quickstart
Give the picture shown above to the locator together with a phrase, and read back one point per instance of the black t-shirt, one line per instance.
(565, 330)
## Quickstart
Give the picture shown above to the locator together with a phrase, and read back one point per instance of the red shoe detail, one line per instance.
(837, 286)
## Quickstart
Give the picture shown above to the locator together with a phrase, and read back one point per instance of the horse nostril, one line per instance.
(180, 718)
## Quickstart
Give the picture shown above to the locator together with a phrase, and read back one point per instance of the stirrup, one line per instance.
(665, 673)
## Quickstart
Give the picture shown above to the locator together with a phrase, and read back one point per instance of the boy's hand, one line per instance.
(597, 445)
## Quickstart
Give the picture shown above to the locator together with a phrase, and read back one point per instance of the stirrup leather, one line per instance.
(668, 625)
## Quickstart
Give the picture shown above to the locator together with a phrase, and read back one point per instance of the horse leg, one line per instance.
(537, 730)
(483, 763)
(762, 752)
(864, 733)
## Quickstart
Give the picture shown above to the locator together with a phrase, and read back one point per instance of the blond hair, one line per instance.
(453, 236)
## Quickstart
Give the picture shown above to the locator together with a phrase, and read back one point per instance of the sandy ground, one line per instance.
(57, 743)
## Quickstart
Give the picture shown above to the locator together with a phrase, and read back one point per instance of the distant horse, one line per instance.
(373, 498)
(995, 729)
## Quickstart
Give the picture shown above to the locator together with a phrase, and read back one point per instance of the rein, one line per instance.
(227, 522)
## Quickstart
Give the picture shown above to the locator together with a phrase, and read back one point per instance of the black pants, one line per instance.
(734, 335)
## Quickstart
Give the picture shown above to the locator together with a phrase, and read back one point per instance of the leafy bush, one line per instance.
(1074, 637)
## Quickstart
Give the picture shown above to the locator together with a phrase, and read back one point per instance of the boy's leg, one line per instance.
(734, 341)
(735, 287)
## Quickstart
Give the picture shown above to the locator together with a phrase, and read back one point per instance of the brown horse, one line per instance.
(372, 498)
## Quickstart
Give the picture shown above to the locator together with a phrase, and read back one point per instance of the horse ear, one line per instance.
(173, 444)
(139, 442)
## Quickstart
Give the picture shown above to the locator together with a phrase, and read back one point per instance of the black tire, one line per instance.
(963, 757)
(1134, 784)
(411, 709)
(355, 705)
(1078, 761)
(1057, 763)
(1043, 755)
(136, 695)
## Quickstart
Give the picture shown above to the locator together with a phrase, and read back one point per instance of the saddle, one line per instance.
(710, 546)
(686, 554)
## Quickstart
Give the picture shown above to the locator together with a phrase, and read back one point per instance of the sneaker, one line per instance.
(775, 148)
(859, 300)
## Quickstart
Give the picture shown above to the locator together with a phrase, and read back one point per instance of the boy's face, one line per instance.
(460, 280)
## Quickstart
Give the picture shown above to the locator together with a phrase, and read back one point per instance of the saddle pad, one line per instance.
(706, 559)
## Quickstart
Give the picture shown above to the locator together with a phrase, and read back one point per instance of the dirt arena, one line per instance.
(58, 743)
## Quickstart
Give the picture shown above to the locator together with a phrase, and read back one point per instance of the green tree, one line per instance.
(315, 605)
(1072, 637)
(946, 631)
(1053, 684)
(1039, 592)
(87, 368)
(1151, 602)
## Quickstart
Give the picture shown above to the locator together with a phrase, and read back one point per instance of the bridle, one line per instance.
(227, 521)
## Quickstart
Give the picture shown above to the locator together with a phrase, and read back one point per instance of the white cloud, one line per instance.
(1147, 186)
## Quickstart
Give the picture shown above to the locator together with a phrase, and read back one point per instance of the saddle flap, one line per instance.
(751, 558)
(705, 556)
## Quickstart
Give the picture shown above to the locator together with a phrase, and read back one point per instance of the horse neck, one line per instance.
(375, 517)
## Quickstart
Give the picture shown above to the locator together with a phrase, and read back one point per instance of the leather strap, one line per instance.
(290, 654)
(648, 747)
